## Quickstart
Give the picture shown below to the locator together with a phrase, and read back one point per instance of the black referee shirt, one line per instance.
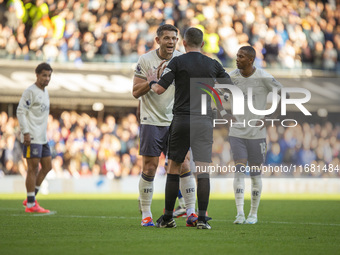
(199, 68)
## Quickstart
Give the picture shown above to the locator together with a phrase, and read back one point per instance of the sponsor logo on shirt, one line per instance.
(44, 108)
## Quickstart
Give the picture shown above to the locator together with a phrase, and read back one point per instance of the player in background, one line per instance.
(155, 118)
(248, 144)
(32, 114)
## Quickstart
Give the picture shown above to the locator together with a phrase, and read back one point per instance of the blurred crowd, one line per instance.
(306, 150)
(81, 146)
(286, 34)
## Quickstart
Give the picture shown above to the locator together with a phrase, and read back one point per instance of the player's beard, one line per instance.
(44, 84)
(167, 51)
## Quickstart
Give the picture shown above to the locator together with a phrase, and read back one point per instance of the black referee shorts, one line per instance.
(190, 131)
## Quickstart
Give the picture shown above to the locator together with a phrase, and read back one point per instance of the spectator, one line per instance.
(120, 31)
(274, 155)
(318, 55)
(330, 57)
(110, 48)
(317, 35)
(271, 50)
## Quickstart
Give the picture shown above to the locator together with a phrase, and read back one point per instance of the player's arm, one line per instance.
(141, 84)
(138, 112)
(162, 85)
(24, 105)
(272, 116)
(157, 88)
(166, 80)
(272, 82)
(224, 114)
(152, 78)
(223, 78)
(140, 87)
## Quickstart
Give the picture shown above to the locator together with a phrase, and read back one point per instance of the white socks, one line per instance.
(256, 189)
(187, 187)
(145, 195)
(188, 190)
(239, 191)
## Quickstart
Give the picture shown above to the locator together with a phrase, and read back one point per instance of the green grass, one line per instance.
(110, 224)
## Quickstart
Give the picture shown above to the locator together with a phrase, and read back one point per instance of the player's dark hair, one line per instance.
(250, 51)
(166, 27)
(43, 66)
(194, 37)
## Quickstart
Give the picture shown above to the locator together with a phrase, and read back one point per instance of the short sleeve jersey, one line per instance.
(262, 83)
(32, 114)
(155, 109)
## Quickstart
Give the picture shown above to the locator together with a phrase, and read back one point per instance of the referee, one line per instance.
(189, 128)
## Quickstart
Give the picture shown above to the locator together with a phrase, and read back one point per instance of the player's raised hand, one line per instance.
(151, 75)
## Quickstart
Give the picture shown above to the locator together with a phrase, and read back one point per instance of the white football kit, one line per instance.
(32, 113)
(262, 83)
(155, 109)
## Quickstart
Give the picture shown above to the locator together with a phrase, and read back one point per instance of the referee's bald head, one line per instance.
(194, 37)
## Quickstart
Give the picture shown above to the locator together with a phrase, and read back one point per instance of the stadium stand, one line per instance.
(81, 146)
(286, 34)
(298, 36)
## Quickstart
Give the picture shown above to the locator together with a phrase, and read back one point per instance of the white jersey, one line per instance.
(262, 83)
(32, 113)
(155, 109)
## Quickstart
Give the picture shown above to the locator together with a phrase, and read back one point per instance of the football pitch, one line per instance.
(110, 224)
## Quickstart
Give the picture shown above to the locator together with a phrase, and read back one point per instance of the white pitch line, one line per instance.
(123, 217)
(44, 214)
